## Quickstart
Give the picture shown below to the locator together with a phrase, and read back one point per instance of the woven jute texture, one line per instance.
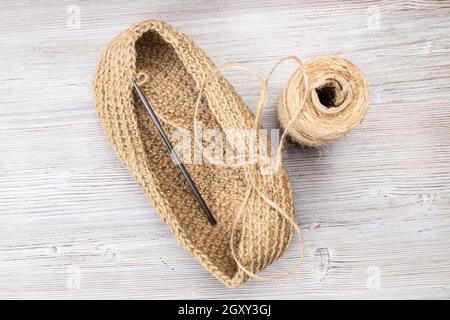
(177, 69)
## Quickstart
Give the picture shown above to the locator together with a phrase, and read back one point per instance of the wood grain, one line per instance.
(373, 206)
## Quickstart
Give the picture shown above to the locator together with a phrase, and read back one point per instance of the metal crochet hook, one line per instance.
(175, 156)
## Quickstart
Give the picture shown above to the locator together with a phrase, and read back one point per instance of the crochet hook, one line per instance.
(174, 154)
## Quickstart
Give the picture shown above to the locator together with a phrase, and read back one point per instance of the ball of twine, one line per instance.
(324, 100)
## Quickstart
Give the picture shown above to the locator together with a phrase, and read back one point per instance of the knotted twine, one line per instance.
(306, 115)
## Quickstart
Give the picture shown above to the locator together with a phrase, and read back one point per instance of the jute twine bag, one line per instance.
(254, 212)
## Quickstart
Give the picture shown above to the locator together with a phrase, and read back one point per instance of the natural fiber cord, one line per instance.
(254, 212)
(324, 100)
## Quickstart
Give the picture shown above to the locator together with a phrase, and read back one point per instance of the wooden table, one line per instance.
(374, 207)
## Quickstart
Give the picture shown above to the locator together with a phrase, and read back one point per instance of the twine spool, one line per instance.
(333, 97)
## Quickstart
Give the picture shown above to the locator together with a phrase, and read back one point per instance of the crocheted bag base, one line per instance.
(176, 68)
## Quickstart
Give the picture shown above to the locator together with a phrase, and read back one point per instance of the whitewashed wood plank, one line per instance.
(376, 201)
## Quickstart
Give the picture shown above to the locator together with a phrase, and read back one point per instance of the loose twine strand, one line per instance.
(297, 112)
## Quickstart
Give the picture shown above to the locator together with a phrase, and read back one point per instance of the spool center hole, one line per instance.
(327, 95)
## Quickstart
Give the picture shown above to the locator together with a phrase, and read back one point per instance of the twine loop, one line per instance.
(334, 102)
